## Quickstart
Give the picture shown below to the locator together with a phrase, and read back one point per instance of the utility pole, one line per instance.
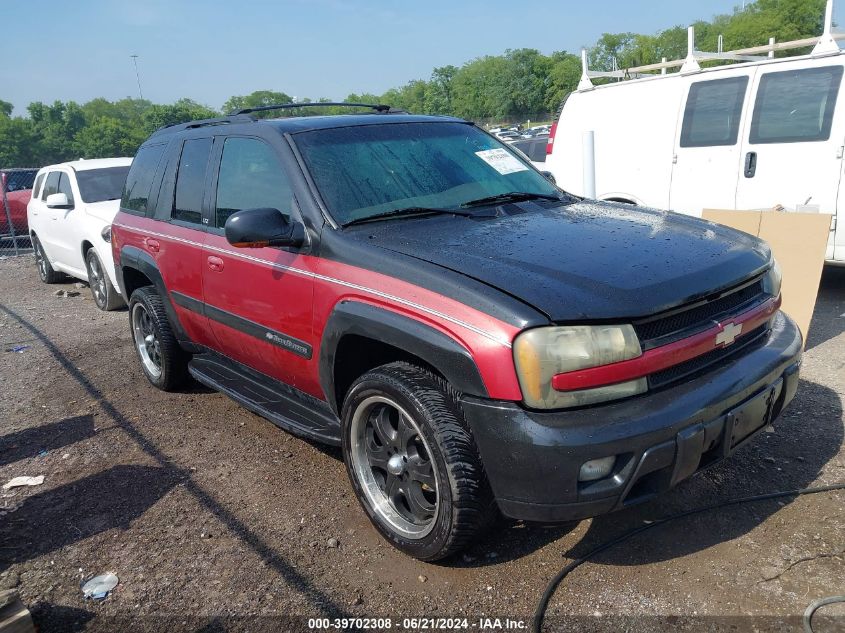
(137, 75)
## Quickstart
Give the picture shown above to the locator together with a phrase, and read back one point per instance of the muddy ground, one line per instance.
(215, 520)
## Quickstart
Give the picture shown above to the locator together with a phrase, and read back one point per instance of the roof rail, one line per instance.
(379, 108)
(189, 125)
(824, 45)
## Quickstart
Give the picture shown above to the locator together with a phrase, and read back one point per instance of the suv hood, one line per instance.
(104, 211)
(582, 261)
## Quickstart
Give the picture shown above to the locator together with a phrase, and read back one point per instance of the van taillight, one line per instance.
(550, 145)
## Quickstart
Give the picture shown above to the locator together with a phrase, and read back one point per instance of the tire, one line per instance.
(165, 364)
(400, 417)
(45, 269)
(105, 296)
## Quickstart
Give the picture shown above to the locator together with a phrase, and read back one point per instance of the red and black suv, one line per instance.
(477, 340)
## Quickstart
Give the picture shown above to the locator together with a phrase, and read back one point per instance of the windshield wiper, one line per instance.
(415, 211)
(511, 196)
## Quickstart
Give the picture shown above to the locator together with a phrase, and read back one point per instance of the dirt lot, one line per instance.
(215, 520)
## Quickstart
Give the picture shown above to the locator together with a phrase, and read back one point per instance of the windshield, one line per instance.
(371, 170)
(97, 185)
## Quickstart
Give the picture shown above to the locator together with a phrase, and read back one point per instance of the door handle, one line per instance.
(152, 244)
(750, 164)
(215, 264)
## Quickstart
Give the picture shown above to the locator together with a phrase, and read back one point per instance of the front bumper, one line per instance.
(532, 458)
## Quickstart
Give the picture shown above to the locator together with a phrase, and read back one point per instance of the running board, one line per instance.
(286, 407)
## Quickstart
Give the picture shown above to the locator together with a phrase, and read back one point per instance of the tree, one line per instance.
(18, 143)
(6, 108)
(438, 94)
(107, 137)
(257, 99)
(182, 111)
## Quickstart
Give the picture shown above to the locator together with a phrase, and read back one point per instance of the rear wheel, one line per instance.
(104, 293)
(164, 363)
(45, 269)
(412, 462)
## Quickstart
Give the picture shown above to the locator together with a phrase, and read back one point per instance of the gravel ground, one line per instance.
(215, 520)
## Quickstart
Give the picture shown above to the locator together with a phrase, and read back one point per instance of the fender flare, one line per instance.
(439, 350)
(133, 257)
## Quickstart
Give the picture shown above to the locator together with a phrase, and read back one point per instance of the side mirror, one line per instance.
(58, 201)
(549, 176)
(256, 228)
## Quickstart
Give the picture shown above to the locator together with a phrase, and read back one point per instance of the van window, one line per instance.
(65, 188)
(52, 184)
(795, 106)
(713, 111)
(36, 190)
(190, 180)
(250, 178)
(139, 181)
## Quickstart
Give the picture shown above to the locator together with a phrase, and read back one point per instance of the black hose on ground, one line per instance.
(540, 613)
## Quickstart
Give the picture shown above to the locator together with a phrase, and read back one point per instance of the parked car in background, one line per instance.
(17, 185)
(476, 340)
(534, 149)
(507, 135)
(754, 135)
(70, 218)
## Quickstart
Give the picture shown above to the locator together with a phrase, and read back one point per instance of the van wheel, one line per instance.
(164, 363)
(412, 462)
(45, 269)
(105, 296)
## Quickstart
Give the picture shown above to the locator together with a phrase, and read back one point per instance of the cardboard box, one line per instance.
(798, 241)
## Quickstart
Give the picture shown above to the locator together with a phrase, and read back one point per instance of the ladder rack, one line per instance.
(824, 45)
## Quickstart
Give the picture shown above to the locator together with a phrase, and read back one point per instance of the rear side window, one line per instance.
(139, 181)
(52, 184)
(251, 177)
(712, 114)
(190, 178)
(37, 188)
(795, 106)
(65, 188)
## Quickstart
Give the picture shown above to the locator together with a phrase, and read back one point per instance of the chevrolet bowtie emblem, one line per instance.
(728, 334)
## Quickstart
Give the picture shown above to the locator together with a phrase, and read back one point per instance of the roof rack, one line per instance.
(379, 108)
(824, 45)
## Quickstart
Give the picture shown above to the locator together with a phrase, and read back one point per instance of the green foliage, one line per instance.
(257, 99)
(520, 84)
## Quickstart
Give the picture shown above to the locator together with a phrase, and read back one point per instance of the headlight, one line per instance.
(542, 353)
(772, 280)
(106, 233)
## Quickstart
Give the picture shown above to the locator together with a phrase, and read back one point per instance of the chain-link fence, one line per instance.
(15, 192)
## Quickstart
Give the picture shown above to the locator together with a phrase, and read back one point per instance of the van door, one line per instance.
(792, 150)
(707, 149)
(66, 230)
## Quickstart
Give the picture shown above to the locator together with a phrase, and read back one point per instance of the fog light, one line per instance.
(596, 469)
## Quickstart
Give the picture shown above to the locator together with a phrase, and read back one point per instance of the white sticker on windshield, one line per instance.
(501, 160)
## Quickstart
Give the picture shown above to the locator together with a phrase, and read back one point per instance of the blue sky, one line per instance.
(209, 51)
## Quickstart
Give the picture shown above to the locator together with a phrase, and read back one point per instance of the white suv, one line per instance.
(70, 215)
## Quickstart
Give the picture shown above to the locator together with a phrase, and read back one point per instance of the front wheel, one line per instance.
(412, 462)
(105, 296)
(164, 363)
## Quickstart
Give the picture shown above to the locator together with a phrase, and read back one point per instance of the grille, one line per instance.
(698, 318)
(700, 363)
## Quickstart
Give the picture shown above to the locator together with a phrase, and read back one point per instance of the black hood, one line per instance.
(582, 261)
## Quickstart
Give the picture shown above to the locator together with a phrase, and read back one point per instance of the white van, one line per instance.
(760, 134)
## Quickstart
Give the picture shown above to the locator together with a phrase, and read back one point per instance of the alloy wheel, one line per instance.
(392, 462)
(41, 261)
(97, 281)
(146, 340)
